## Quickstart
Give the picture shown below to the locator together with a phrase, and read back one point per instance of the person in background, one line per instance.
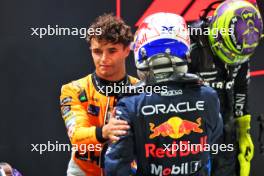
(7, 170)
(222, 60)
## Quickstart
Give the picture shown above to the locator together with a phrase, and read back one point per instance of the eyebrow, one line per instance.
(111, 48)
(93, 48)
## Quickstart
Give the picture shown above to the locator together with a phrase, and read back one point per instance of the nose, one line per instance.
(104, 57)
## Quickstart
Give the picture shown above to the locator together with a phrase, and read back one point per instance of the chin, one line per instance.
(105, 73)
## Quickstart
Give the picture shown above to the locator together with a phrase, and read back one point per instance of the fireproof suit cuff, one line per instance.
(99, 134)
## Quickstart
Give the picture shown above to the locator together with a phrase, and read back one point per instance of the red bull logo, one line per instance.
(176, 149)
(140, 42)
(144, 25)
(175, 128)
(144, 33)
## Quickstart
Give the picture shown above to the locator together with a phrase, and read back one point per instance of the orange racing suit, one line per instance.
(84, 106)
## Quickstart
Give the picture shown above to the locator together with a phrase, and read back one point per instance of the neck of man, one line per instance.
(102, 85)
(104, 81)
(113, 78)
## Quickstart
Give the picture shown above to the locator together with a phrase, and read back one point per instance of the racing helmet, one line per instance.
(235, 30)
(161, 44)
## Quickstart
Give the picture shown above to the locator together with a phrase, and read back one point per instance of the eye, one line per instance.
(97, 51)
(112, 50)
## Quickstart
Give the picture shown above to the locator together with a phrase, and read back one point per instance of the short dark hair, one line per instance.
(113, 30)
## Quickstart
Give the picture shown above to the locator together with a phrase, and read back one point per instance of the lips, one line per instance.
(105, 66)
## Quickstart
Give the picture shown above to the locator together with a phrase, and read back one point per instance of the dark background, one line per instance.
(32, 71)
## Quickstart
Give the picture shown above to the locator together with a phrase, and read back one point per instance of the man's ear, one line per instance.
(127, 50)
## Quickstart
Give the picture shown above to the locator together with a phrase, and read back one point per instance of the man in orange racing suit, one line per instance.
(86, 103)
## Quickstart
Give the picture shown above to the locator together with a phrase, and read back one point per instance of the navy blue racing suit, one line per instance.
(171, 131)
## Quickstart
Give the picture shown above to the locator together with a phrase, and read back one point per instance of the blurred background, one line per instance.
(33, 69)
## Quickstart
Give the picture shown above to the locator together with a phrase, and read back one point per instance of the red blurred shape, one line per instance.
(190, 9)
(118, 8)
(257, 73)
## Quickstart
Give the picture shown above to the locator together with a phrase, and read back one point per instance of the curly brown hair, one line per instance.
(113, 30)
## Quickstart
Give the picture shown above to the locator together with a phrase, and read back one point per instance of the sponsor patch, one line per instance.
(65, 100)
(83, 97)
(186, 168)
(70, 122)
(69, 115)
(93, 110)
(65, 110)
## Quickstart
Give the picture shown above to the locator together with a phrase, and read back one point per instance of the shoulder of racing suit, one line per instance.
(183, 79)
(96, 83)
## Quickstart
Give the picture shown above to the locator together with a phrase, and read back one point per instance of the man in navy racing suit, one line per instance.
(171, 131)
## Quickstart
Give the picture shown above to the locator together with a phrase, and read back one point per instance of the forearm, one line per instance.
(87, 135)
(241, 91)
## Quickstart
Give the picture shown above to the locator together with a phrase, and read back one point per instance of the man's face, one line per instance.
(109, 59)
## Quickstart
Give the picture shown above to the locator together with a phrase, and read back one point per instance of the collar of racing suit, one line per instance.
(106, 87)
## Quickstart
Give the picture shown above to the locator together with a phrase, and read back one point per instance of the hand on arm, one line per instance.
(115, 128)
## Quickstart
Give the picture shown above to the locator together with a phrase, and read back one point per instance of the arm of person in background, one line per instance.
(120, 154)
(243, 119)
